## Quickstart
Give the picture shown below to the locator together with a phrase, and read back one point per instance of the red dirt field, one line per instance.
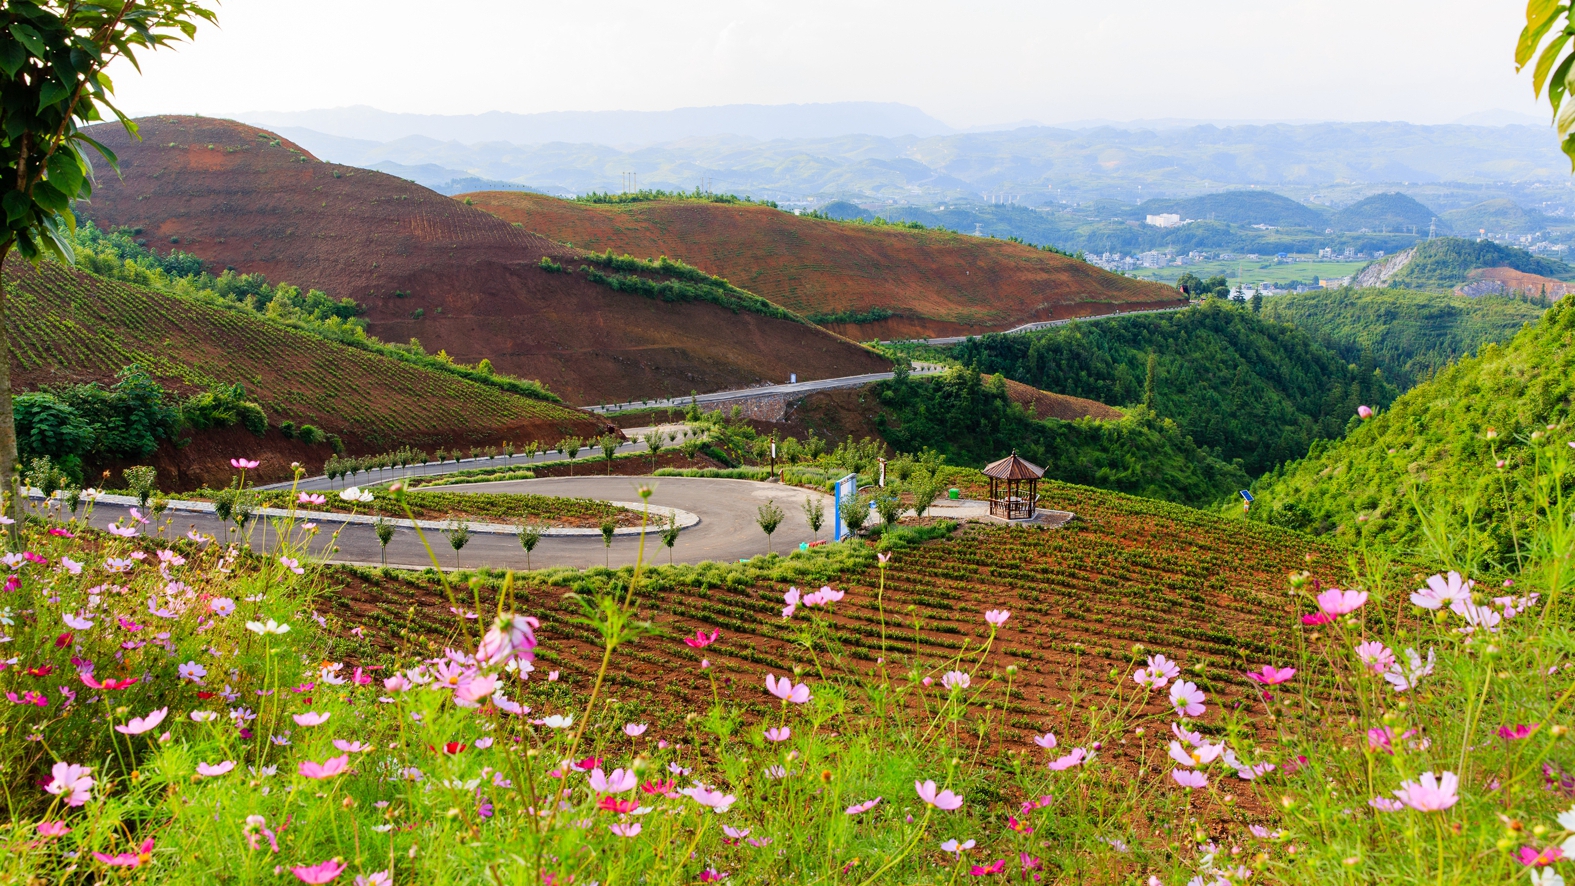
(1208, 592)
(69, 327)
(240, 197)
(939, 283)
(1043, 404)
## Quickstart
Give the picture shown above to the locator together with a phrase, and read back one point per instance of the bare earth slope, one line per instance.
(937, 282)
(240, 197)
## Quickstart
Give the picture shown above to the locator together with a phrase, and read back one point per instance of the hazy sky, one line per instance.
(967, 63)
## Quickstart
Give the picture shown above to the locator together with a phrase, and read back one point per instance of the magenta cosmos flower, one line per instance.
(128, 859)
(319, 873)
(1271, 676)
(1430, 793)
(242, 464)
(785, 690)
(945, 801)
(700, 640)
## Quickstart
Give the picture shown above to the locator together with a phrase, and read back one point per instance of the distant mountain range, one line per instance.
(1030, 166)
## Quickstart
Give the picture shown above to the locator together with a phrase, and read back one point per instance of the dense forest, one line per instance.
(1242, 386)
(1449, 453)
(1444, 263)
(973, 421)
(1409, 334)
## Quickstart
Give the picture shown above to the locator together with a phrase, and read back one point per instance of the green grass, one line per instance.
(436, 505)
(1256, 272)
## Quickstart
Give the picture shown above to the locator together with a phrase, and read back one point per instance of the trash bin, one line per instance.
(954, 493)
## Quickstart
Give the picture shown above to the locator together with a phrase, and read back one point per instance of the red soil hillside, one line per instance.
(240, 197)
(1506, 281)
(937, 282)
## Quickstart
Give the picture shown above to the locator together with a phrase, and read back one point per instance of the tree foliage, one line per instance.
(1410, 335)
(1238, 385)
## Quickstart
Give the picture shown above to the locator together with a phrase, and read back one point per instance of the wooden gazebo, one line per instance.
(1014, 487)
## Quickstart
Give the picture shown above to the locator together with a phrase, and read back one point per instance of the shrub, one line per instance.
(311, 435)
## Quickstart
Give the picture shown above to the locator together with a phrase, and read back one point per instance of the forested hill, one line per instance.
(1238, 384)
(1446, 262)
(1435, 442)
(1409, 334)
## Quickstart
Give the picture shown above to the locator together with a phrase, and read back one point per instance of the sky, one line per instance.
(975, 63)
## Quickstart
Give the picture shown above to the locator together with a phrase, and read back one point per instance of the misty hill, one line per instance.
(628, 128)
(1500, 216)
(1035, 165)
(1238, 207)
(1385, 212)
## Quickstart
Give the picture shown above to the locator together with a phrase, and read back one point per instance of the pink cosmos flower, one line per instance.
(634, 730)
(292, 564)
(1271, 676)
(1189, 778)
(946, 801)
(242, 464)
(376, 878)
(1405, 677)
(317, 873)
(1515, 733)
(711, 799)
(861, 808)
(997, 617)
(1334, 603)
(128, 859)
(215, 770)
(326, 769)
(778, 733)
(53, 829)
(785, 690)
(71, 781)
(625, 830)
(956, 680)
(613, 804)
(791, 598)
(1442, 590)
(1187, 699)
(307, 498)
(355, 747)
(618, 782)
(1430, 793)
(710, 875)
(396, 683)
(1046, 741)
(1201, 755)
(1077, 756)
(311, 718)
(700, 640)
(955, 847)
(1375, 656)
(121, 531)
(995, 867)
(1160, 671)
(476, 688)
(511, 636)
(1384, 804)
(1365, 412)
(139, 725)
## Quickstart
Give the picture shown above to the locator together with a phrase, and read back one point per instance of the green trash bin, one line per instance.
(954, 493)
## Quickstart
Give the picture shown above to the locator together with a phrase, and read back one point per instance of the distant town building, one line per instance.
(1164, 220)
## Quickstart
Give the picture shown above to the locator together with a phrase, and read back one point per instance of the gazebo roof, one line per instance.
(1014, 468)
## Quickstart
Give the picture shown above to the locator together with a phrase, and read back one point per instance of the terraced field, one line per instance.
(73, 327)
(1207, 592)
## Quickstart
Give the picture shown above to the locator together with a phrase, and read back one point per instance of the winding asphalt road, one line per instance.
(726, 531)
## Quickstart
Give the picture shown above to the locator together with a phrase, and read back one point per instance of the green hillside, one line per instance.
(974, 421)
(1502, 216)
(1443, 263)
(1434, 443)
(1238, 384)
(1409, 334)
(1238, 207)
(1385, 212)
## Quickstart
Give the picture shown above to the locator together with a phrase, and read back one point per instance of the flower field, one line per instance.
(75, 327)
